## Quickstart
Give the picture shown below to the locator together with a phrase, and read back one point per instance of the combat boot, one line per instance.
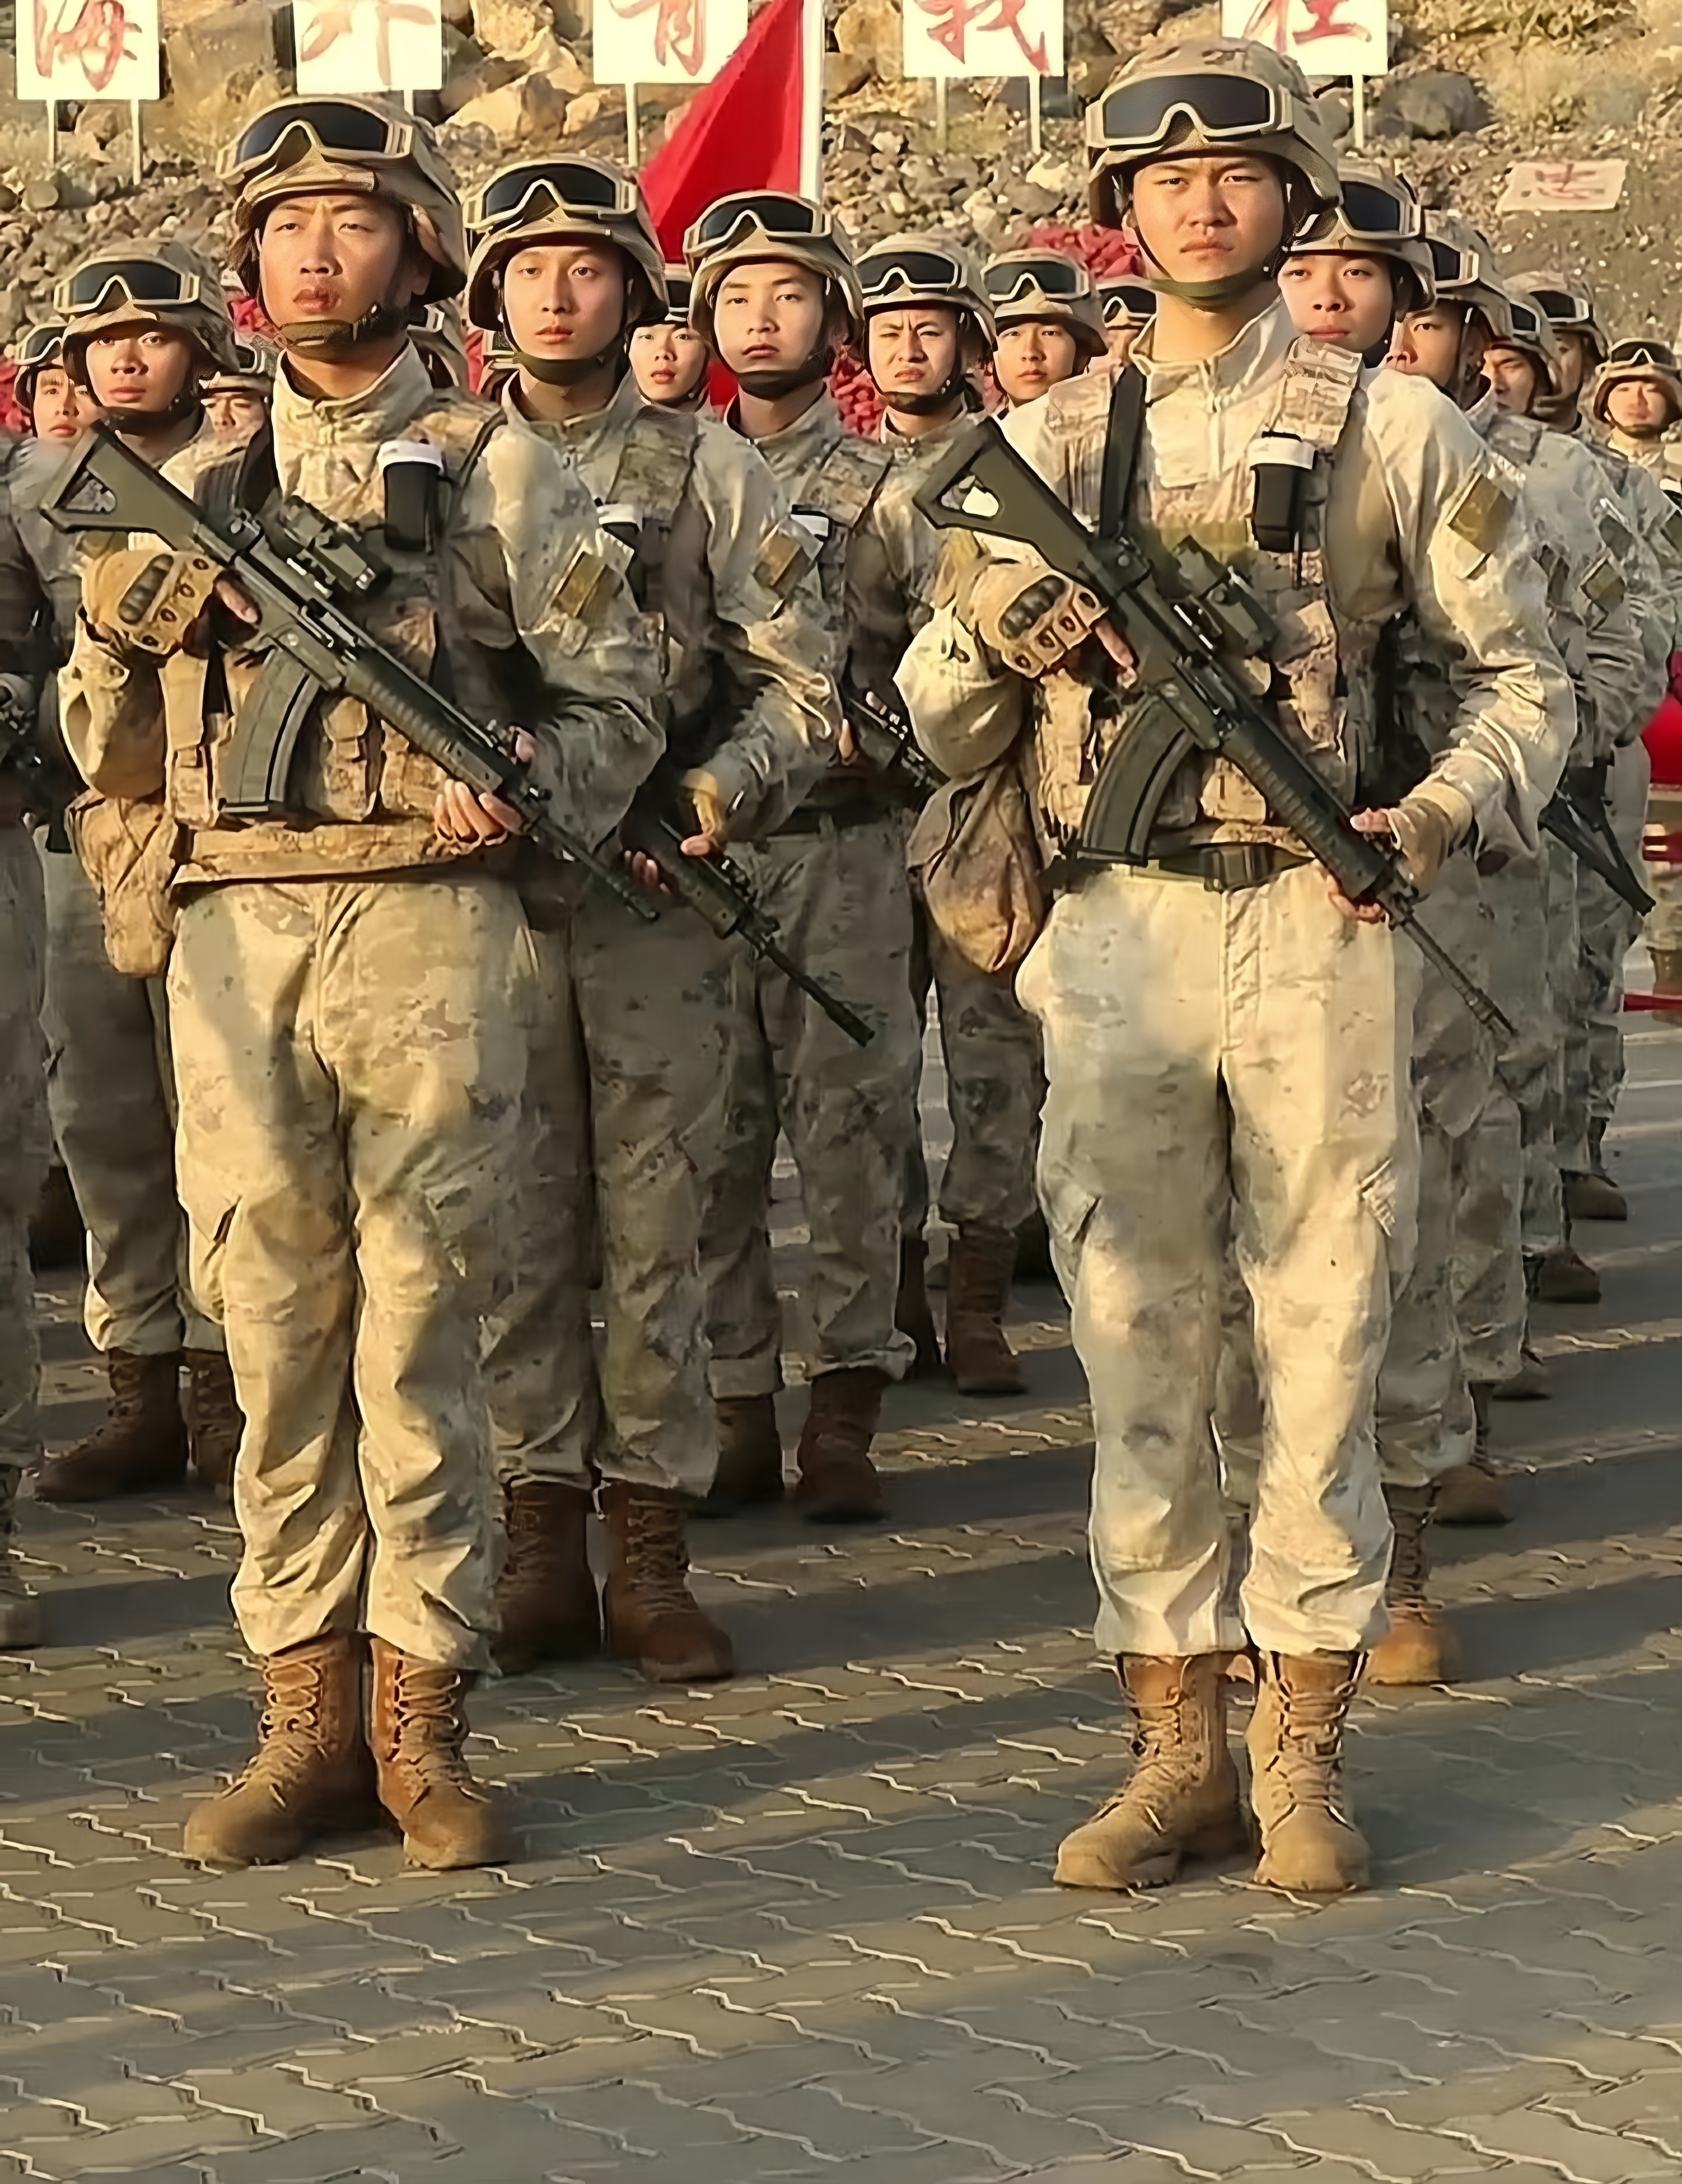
(22, 1623)
(652, 1617)
(1564, 1276)
(838, 1484)
(313, 1774)
(749, 1456)
(1531, 1384)
(214, 1421)
(1593, 1195)
(1667, 971)
(1474, 1493)
(449, 1821)
(978, 1291)
(1419, 1647)
(546, 1608)
(912, 1315)
(141, 1446)
(56, 1235)
(1310, 1844)
(1181, 1801)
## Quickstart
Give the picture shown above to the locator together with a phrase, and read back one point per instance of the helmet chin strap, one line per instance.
(144, 424)
(772, 385)
(570, 371)
(333, 340)
(927, 405)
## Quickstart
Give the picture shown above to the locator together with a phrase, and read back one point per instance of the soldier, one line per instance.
(670, 357)
(627, 1064)
(1050, 323)
(1127, 306)
(350, 986)
(929, 329)
(144, 327)
(1226, 1041)
(436, 333)
(776, 294)
(59, 410)
(238, 401)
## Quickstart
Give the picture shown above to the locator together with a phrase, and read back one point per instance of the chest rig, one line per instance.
(650, 478)
(830, 502)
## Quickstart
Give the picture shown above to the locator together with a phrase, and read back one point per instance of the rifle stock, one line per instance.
(1578, 818)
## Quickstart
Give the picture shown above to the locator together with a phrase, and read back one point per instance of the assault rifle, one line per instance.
(298, 579)
(1185, 620)
(1576, 815)
(720, 894)
(20, 756)
(885, 736)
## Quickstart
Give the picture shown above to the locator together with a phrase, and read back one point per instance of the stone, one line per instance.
(548, 56)
(871, 30)
(1337, 111)
(843, 74)
(220, 67)
(1437, 103)
(509, 26)
(101, 122)
(531, 111)
(986, 215)
(584, 113)
(9, 198)
(41, 193)
(486, 74)
(1051, 174)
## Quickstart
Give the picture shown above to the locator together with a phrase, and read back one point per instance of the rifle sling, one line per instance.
(1122, 436)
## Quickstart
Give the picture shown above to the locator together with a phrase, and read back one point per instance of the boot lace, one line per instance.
(656, 1557)
(1309, 1760)
(290, 1726)
(429, 1729)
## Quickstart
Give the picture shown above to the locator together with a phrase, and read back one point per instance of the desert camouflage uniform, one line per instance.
(1242, 1058)
(23, 947)
(833, 877)
(351, 997)
(626, 1085)
(1661, 460)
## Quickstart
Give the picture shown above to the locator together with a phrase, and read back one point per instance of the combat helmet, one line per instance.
(1567, 305)
(255, 364)
(532, 201)
(436, 331)
(1209, 95)
(1643, 360)
(37, 349)
(1126, 302)
(124, 288)
(1463, 270)
(752, 225)
(1530, 331)
(678, 289)
(1378, 216)
(906, 269)
(303, 146)
(1046, 284)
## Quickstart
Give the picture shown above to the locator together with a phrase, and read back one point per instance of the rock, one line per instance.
(1436, 104)
(843, 74)
(889, 142)
(1337, 111)
(1051, 174)
(222, 65)
(987, 216)
(101, 123)
(584, 112)
(42, 195)
(547, 56)
(8, 198)
(488, 74)
(872, 30)
(531, 111)
(1032, 202)
(508, 26)
(458, 14)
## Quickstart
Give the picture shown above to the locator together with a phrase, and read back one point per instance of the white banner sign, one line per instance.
(88, 49)
(1324, 37)
(368, 45)
(665, 41)
(983, 37)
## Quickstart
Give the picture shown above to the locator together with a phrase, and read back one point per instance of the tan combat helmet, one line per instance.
(678, 290)
(126, 286)
(907, 270)
(1463, 269)
(752, 227)
(256, 362)
(1567, 305)
(38, 349)
(1531, 333)
(1126, 302)
(304, 147)
(1045, 285)
(1209, 95)
(1653, 363)
(533, 201)
(1379, 216)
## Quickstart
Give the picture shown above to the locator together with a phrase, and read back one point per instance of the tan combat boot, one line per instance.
(1474, 1493)
(1564, 1276)
(141, 1446)
(1310, 1845)
(749, 1456)
(978, 1291)
(449, 1821)
(912, 1314)
(1590, 1194)
(838, 1483)
(313, 1774)
(1181, 1801)
(1418, 1647)
(546, 1608)
(214, 1421)
(1666, 970)
(22, 1625)
(652, 1617)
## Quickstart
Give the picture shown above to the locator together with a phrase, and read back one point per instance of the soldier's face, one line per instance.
(235, 412)
(1638, 407)
(61, 411)
(1346, 300)
(1211, 217)
(769, 317)
(1428, 344)
(326, 260)
(1034, 355)
(669, 362)
(139, 371)
(565, 300)
(1574, 360)
(1513, 378)
(913, 351)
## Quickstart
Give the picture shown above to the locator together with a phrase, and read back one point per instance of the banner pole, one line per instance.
(1036, 118)
(52, 132)
(139, 146)
(812, 100)
(633, 130)
(940, 114)
(1360, 106)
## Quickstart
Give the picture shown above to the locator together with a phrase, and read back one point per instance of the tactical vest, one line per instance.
(832, 501)
(651, 477)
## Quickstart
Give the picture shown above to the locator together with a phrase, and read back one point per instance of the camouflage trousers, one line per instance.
(1544, 1212)
(995, 1086)
(1228, 1066)
(842, 899)
(1606, 929)
(1663, 929)
(624, 1104)
(350, 1056)
(110, 1087)
(22, 1165)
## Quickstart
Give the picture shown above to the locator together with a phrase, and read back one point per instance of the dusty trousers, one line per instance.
(23, 1162)
(350, 1056)
(1228, 1066)
(1606, 929)
(110, 1090)
(623, 1109)
(841, 897)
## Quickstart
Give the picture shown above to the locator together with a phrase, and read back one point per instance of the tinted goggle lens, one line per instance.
(91, 289)
(884, 273)
(724, 224)
(39, 345)
(1654, 354)
(1217, 105)
(567, 183)
(1559, 308)
(1132, 300)
(1369, 210)
(336, 125)
(1451, 266)
(1049, 276)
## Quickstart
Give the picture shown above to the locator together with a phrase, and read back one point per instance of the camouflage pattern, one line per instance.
(1607, 928)
(23, 947)
(626, 1082)
(1240, 1063)
(1487, 1270)
(1663, 928)
(1545, 1151)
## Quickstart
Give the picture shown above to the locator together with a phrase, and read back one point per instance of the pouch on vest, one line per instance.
(1281, 466)
(412, 472)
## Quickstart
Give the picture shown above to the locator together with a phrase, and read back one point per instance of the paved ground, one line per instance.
(802, 1925)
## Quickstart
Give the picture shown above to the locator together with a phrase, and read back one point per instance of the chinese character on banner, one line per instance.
(88, 49)
(1326, 38)
(665, 41)
(368, 45)
(1563, 186)
(983, 37)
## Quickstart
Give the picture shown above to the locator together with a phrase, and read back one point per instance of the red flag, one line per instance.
(742, 131)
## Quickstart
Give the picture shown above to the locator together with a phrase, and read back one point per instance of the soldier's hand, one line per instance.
(1034, 619)
(1363, 913)
(648, 874)
(712, 814)
(461, 813)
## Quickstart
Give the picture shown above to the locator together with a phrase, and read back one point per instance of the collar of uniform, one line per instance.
(1263, 344)
(581, 436)
(812, 432)
(377, 414)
